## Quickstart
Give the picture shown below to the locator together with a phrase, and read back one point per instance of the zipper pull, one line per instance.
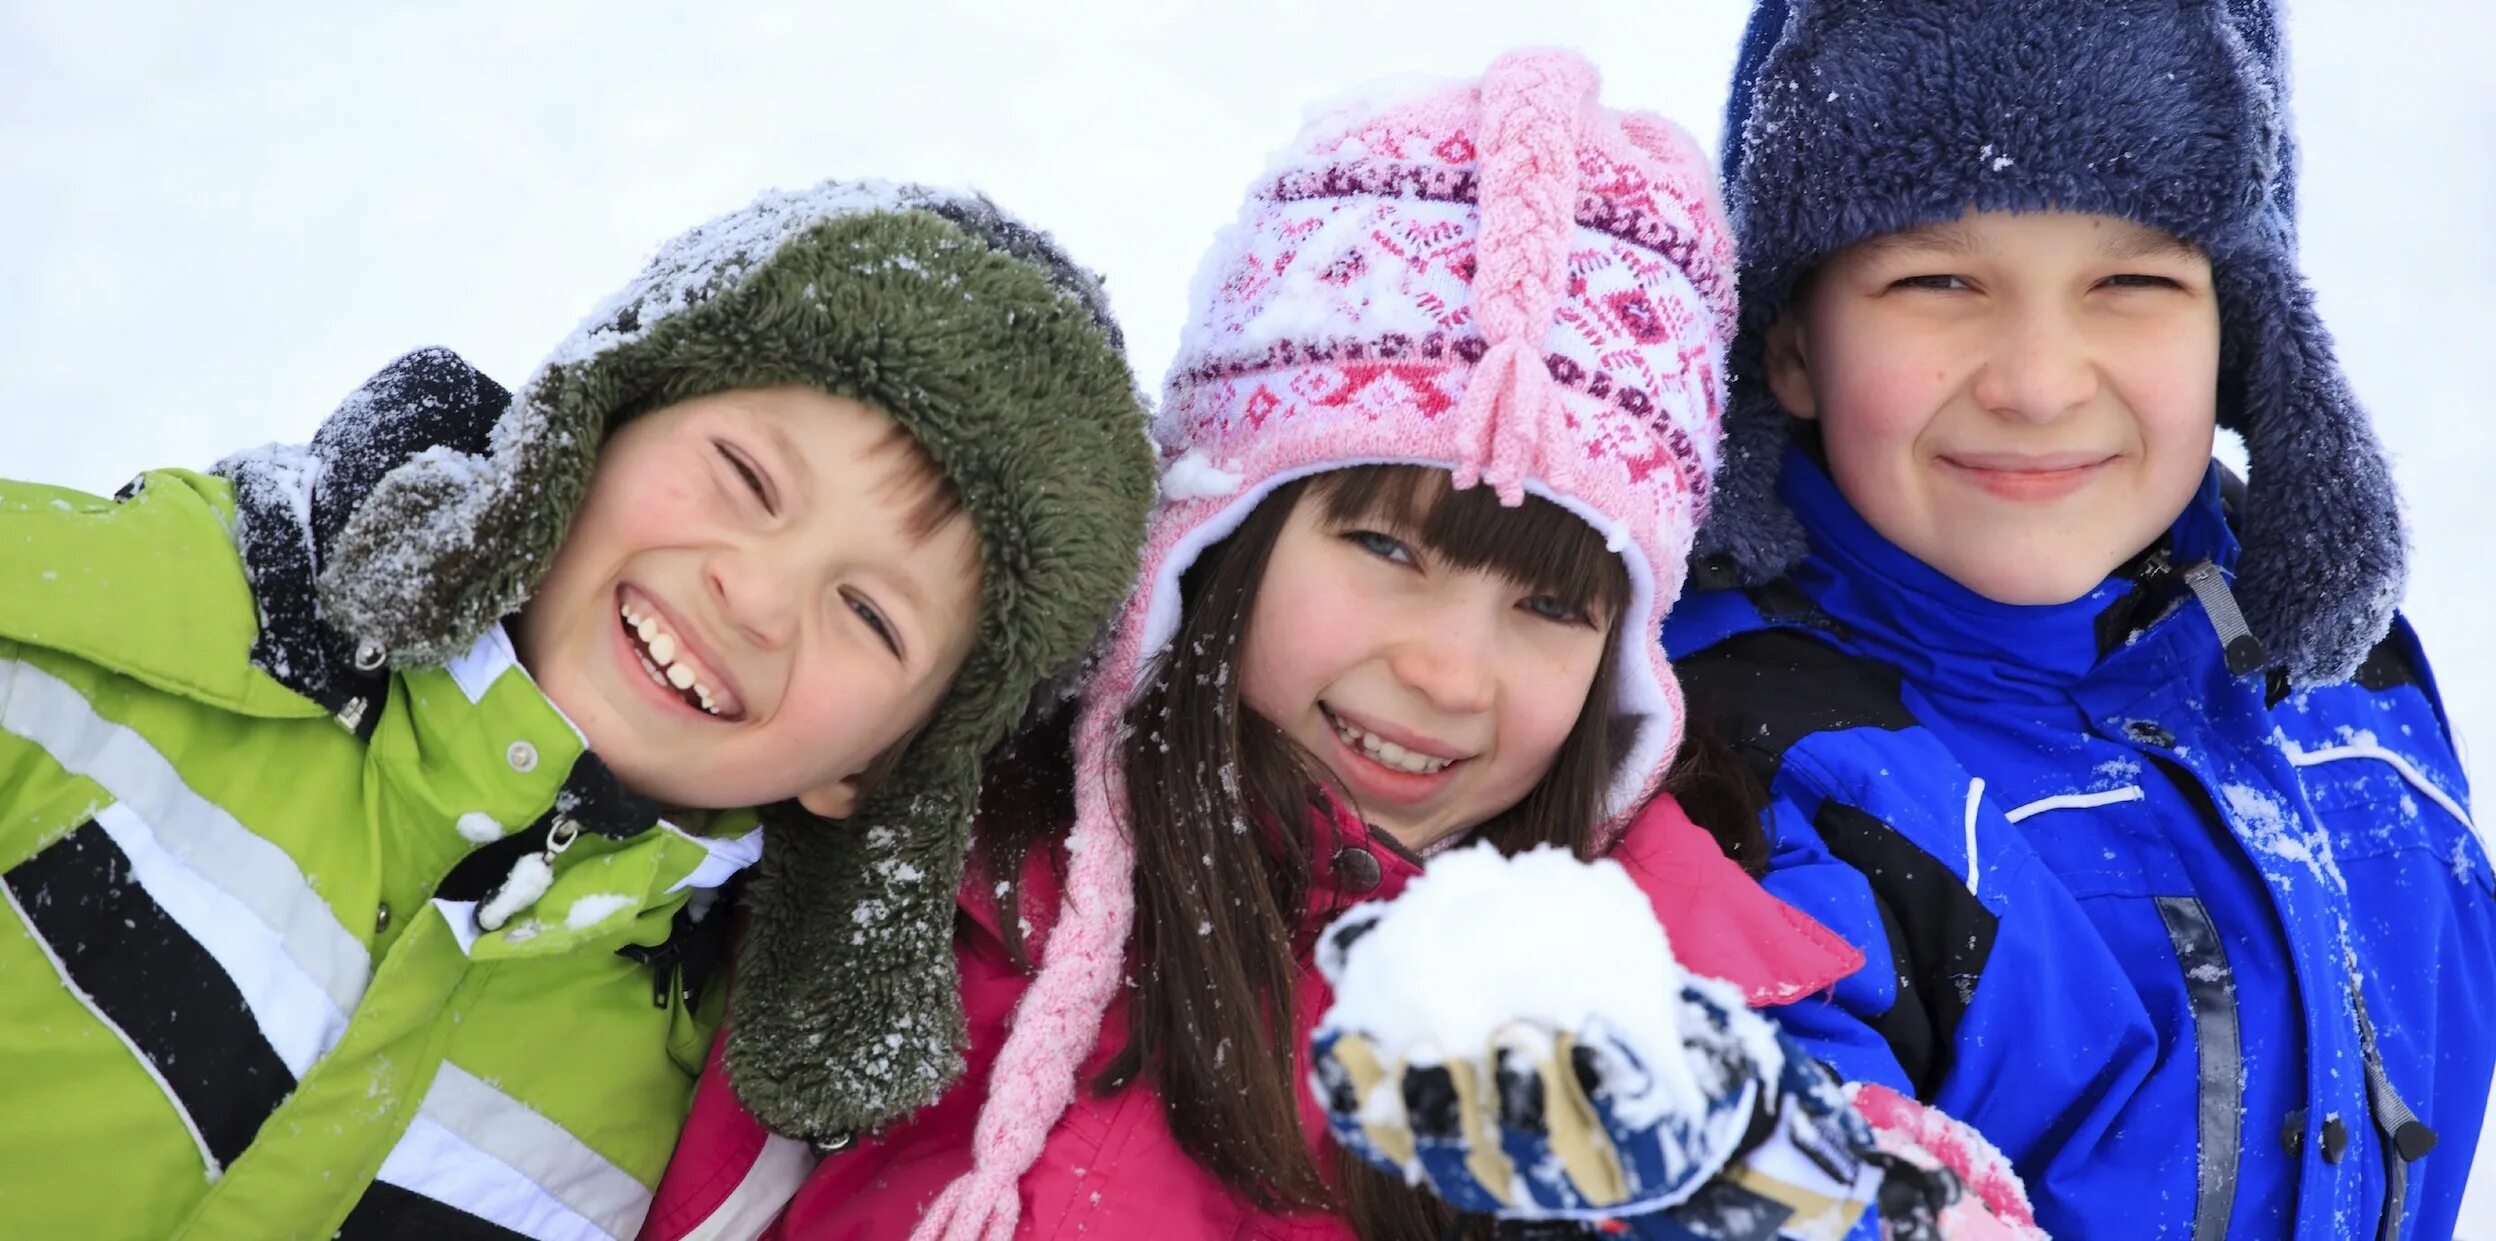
(2244, 651)
(529, 878)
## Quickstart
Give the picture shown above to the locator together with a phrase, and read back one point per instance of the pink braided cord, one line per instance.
(1534, 106)
(1059, 1018)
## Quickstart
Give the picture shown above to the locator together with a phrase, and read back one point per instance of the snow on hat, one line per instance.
(1504, 279)
(2171, 115)
(979, 337)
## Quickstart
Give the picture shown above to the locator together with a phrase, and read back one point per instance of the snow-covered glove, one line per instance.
(1516, 1034)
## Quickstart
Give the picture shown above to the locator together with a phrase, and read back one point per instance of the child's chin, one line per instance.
(2045, 579)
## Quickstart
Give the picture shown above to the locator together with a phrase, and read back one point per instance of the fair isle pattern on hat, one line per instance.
(1505, 280)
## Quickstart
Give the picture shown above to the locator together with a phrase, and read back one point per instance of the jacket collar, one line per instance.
(1720, 921)
(1943, 635)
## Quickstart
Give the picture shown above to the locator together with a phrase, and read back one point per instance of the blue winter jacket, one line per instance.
(2203, 956)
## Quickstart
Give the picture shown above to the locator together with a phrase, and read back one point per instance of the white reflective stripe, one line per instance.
(775, 1176)
(484, 664)
(294, 1014)
(69, 984)
(523, 1139)
(2077, 801)
(726, 858)
(433, 1161)
(256, 873)
(1975, 793)
(462, 917)
(2417, 779)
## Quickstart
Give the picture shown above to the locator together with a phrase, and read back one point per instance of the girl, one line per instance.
(1436, 445)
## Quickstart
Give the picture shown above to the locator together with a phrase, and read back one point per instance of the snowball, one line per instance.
(1482, 942)
(479, 827)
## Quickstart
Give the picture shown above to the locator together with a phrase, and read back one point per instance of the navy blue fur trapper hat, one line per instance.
(1853, 118)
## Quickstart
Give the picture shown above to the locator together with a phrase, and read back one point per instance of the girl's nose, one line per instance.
(2041, 367)
(1448, 659)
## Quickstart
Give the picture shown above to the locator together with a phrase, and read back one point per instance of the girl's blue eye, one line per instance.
(1942, 284)
(1551, 608)
(1381, 546)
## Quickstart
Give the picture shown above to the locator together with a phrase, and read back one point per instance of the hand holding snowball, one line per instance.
(1517, 1033)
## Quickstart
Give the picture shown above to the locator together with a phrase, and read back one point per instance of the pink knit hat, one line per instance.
(1504, 279)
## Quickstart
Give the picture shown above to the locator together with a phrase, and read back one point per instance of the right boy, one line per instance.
(2130, 784)
(363, 809)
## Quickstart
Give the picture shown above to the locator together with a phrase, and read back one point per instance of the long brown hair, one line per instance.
(1219, 804)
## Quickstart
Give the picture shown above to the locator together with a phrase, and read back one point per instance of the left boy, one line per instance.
(361, 805)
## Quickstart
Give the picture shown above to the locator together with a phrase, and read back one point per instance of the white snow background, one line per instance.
(220, 218)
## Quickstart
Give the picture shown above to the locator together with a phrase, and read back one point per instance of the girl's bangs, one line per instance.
(1538, 545)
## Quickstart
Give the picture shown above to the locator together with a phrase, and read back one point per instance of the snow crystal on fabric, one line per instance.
(2269, 826)
(282, 477)
(589, 911)
(718, 254)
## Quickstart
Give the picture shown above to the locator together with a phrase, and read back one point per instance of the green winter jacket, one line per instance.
(241, 984)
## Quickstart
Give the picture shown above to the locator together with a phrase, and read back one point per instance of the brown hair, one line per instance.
(1219, 806)
(920, 481)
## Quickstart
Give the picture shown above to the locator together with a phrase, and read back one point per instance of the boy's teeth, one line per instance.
(660, 651)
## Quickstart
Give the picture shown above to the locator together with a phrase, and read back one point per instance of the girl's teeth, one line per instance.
(679, 675)
(662, 647)
(1388, 753)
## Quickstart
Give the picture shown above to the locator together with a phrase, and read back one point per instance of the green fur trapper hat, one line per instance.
(998, 354)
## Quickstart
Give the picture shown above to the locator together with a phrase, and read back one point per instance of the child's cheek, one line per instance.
(830, 706)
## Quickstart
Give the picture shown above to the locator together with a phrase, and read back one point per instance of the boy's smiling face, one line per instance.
(753, 604)
(2022, 401)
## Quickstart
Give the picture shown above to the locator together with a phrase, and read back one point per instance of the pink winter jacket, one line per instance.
(1111, 1170)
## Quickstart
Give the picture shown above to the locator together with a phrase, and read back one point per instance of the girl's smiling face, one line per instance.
(760, 595)
(1438, 695)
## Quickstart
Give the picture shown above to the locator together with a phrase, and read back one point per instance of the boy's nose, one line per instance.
(2040, 368)
(753, 596)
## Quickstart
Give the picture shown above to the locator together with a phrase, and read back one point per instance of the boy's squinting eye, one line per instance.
(1382, 546)
(882, 628)
(2142, 280)
(1938, 284)
(749, 473)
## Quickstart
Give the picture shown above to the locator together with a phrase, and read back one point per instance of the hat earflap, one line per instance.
(846, 1013)
(448, 543)
(2325, 553)
(1749, 530)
